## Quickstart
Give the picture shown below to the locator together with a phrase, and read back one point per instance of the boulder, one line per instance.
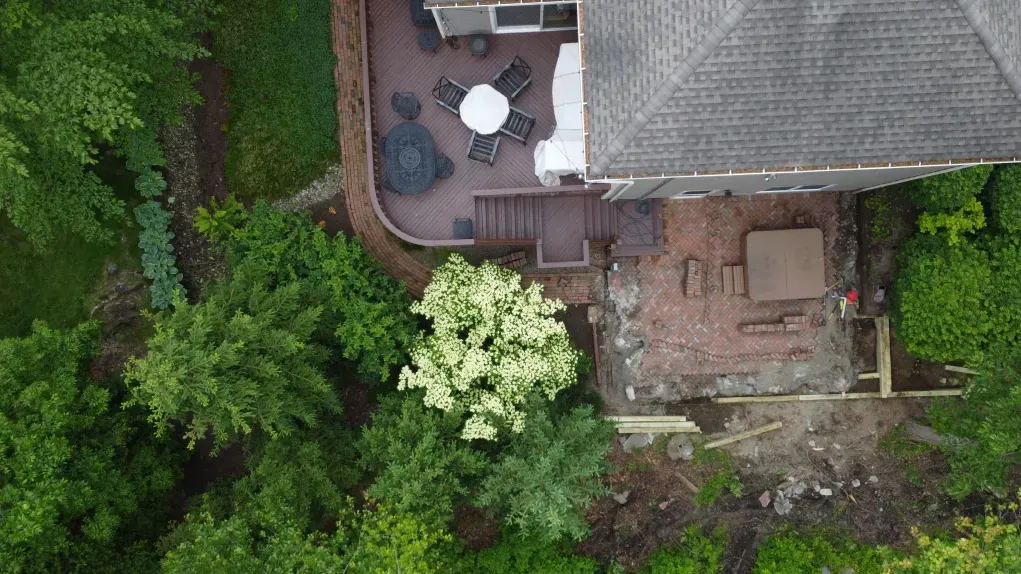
(680, 447)
(621, 497)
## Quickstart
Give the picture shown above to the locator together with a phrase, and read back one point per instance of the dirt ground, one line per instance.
(839, 445)
(828, 445)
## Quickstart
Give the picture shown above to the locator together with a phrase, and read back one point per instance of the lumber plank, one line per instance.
(883, 360)
(933, 393)
(795, 398)
(654, 429)
(743, 435)
(655, 423)
(652, 418)
(956, 369)
(863, 376)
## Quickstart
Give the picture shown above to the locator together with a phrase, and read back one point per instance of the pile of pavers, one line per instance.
(792, 323)
(514, 260)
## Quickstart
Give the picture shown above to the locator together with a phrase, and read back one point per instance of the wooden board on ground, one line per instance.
(884, 364)
(658, 429)
(956, 369)
(864, 376)
(839, 397)
(743, 435)
(645, 418)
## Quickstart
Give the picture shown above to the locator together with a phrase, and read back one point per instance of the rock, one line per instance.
(638, 441)
(680, 447)
(856, 483)
(880, 295)
(825, 570)
(811, 443)
(630, 392)
(782, 505)
(121, 287)
(765, 499)
(825, 492)
(111, 268)
(621, 497)
(665, 503)
(874, 479)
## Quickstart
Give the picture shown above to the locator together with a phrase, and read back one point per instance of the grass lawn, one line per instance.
(281, 98)
(58, 285)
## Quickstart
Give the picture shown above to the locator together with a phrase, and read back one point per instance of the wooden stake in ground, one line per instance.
(744, 435)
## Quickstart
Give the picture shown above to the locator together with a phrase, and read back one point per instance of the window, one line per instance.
(518, 16)
(559, 16)
(785, 188)
(692, 193)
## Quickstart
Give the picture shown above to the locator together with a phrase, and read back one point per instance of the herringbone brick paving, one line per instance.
(702, 335)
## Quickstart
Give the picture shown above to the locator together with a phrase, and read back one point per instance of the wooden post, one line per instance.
(744, 435)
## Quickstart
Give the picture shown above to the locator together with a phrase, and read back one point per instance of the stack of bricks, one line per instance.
(792, 323)
(693, 281)
(797, 323)
(571, 288)
(514, 260)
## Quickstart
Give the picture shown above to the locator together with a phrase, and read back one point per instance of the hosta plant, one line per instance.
(217, 222)
(158, 260)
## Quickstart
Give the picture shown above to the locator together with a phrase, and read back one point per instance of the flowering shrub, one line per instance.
(158, 260)
(492, 343)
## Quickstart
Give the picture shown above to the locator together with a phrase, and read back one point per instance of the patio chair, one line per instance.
(444, 166)
(513, 79)
(405, 104)
(482, 148)
(518, 125)
(449, 94)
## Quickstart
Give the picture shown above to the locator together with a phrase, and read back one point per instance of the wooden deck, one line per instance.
(398, 65)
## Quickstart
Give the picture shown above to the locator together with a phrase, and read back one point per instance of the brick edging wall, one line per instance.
(347, 28)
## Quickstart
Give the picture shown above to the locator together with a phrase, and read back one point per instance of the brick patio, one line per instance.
(703, 335)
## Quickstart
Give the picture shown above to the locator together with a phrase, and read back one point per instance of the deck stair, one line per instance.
(511, 217)
(600, 220)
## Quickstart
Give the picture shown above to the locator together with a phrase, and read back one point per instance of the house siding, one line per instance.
(751, 183)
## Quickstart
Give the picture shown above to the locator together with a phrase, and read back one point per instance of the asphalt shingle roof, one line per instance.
(675, 86)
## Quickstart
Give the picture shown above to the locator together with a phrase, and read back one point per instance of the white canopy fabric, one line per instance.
(484, 109)
(564, 152)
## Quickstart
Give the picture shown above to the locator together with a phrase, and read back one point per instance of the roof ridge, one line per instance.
(712, 39)
(973, 14)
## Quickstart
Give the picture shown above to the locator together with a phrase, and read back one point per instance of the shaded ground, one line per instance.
(210, 125)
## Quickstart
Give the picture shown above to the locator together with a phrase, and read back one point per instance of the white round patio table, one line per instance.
(484, 109)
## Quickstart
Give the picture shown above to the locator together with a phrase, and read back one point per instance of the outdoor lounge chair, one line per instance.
(482, 148)
(449, 94)
(513, 79)
(518, 125)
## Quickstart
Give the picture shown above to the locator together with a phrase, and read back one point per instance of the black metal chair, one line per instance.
(405, 104)
(482, 148)
(449, 94)
(513, 79)
(444, 167)
(518, 125)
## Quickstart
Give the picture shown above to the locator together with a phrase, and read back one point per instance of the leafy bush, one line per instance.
(1006, 198)
(492, 343)
(939, 299)
(239, 360)
(789, 552)
(983, 431)
(1004, 298)
(967, 219)
(81, 479)
(883, 216)
(158, 260)
(547, 477)
(367, 311)
(986, 546)
(280, 92)
(150, 183)
(948, 191)
(723, 478)
(421, 465)
(219, 221)
(515, 554)
(695, 554)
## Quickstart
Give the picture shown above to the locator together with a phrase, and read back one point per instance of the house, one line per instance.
(692, 98)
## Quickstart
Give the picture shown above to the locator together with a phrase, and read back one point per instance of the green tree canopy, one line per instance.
(546, 478)
(1006, 198)
(421, 465)
(985, 546)
(76, 76)
(512, 553)
(492, 343)
(940, 310)
(239, 360)
(366, 311)
(949, 191)
(82, 482)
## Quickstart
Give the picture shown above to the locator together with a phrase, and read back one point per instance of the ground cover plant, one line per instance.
(281, 132)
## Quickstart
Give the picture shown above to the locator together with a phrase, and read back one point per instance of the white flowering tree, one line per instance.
(492, 343)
